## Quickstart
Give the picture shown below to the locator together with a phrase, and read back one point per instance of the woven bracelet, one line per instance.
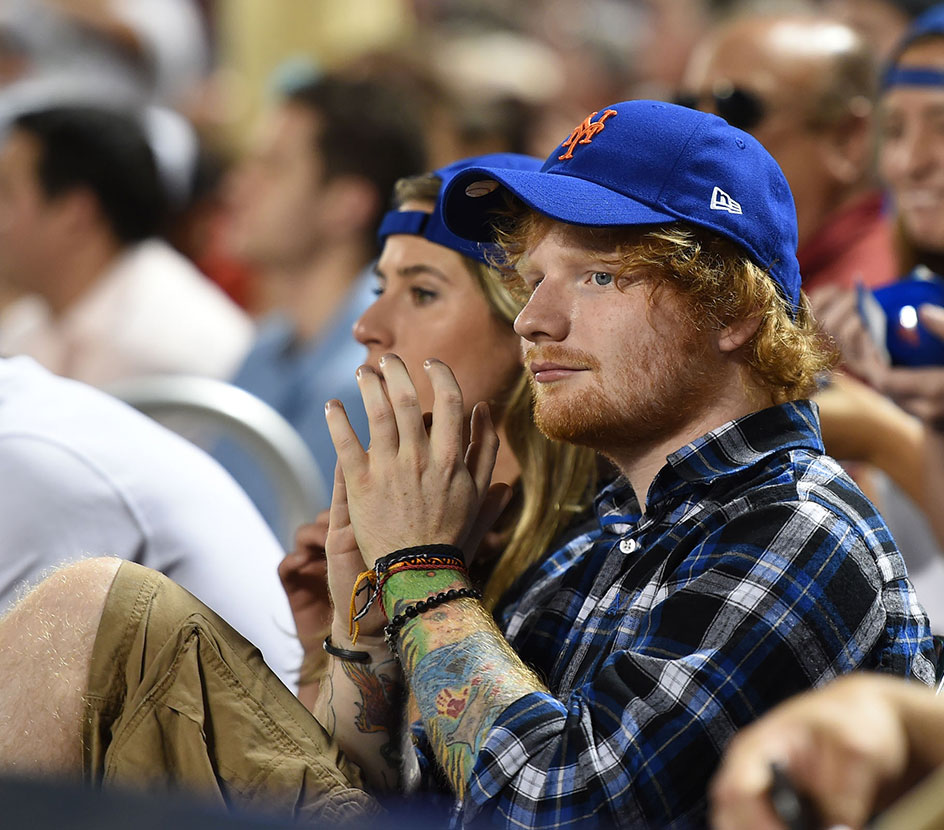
(392, 629)
(345, 654)
(418, 552)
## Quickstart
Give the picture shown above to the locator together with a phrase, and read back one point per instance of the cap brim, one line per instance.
(561, 197)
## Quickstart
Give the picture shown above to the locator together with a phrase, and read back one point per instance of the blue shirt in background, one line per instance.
(296, 379)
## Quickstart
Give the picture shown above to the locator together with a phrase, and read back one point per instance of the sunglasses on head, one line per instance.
(737, 106)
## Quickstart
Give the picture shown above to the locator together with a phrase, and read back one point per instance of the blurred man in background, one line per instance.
(81, 207)
(305, 206)
(804, 87)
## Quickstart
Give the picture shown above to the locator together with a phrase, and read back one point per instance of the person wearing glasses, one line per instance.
(803, 86)
(911, 162)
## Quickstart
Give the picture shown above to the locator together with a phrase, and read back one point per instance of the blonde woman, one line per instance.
(437, 297)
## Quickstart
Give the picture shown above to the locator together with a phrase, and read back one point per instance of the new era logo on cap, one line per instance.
(722, 201)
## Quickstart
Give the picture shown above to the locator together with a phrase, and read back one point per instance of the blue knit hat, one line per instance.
(649, 163)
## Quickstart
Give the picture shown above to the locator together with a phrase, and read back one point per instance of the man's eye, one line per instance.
(602, 278)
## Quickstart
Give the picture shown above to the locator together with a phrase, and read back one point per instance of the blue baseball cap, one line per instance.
(649, 163)
(929, 23)
(431, 225)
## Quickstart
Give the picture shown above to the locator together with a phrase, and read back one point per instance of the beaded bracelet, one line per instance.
(392, 629)
(345, 653)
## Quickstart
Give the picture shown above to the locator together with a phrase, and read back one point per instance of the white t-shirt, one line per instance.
(151, 312)
(86, 475)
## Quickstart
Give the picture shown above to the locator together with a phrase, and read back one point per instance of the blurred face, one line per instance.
(775, 68)
(276, 195)
(911, 157)
(609, 370)
(28, 222)
(429, 305)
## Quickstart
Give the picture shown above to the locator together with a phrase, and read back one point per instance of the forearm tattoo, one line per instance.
(461, 670)
(379, 707)
(360, 706)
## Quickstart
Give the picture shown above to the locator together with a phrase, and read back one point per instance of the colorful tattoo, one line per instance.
(461, 670)
(407, 587)
(378, 695)
(366, 700)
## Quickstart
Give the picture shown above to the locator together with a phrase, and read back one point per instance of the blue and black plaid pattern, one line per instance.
(758, 570)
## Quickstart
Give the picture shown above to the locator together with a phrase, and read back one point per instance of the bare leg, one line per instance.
(45, 648)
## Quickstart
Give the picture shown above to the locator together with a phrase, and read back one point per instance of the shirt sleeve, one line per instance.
(769, 604)
(56, 508)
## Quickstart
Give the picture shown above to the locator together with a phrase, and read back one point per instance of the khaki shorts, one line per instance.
(178, 700)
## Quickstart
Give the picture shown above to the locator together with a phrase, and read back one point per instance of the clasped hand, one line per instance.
(414, 486)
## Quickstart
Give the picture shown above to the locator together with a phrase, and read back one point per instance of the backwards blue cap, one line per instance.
(431, 225)
(929, 23)
(647, 163)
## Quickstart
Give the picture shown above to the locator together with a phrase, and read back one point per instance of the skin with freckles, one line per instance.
(626, 386)
(614, 366)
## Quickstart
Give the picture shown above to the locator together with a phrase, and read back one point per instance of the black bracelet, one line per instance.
(345, 653)
(419, 552)
(392, 629)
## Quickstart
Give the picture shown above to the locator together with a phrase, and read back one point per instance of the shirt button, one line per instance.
(628, 545)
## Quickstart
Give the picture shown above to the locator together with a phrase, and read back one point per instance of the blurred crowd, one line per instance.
(235, 240)
(196, 186)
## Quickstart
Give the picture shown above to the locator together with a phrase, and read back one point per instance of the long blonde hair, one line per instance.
(557, 480)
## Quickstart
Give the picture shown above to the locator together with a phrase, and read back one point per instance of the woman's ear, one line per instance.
(736, 334)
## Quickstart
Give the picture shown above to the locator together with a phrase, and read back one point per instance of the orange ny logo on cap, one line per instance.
(584, 132)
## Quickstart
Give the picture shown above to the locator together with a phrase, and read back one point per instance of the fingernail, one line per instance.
(383, 360)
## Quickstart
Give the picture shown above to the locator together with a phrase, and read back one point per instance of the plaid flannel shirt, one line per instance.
(758, 570)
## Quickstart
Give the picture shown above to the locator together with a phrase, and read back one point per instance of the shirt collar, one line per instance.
(730, 449)
(616, 504)
(737, 445)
